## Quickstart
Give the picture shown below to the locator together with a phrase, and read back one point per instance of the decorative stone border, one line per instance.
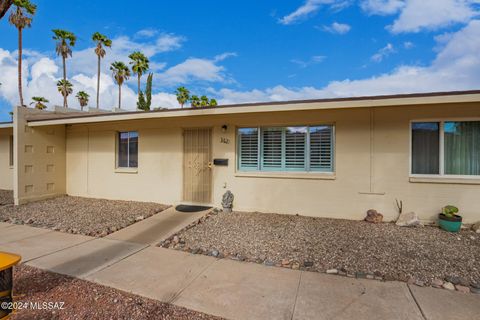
(450, 283)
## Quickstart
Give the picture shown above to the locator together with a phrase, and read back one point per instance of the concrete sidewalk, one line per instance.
(158, 227)
(226, 288)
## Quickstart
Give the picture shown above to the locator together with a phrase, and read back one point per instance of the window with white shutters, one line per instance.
(302, 148)
(248, 148)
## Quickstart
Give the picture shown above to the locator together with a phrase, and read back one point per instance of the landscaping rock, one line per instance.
(373, 216)
(308, 264)
(462, 289)
(321, 244)
(227, 201)
(408, 219)
(476, 227)
(79, 215)
(139, 218)
(448, 286)
(475, 290)
(452, 279)
(269, 263)
(285, 262)
(437, 283)
(332, 271)
(419, 283)
(214, 253)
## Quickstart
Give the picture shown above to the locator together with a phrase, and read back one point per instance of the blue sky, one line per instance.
(246, 51)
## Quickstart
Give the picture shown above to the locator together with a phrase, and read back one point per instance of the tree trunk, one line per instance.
(119, 97)
(98, 84)
(138, 91)
(64, 79)
(20, 93)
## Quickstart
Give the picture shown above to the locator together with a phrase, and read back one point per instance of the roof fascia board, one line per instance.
(302, 106)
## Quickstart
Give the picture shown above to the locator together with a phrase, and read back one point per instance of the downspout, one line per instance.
(88, 159)
(372, 148)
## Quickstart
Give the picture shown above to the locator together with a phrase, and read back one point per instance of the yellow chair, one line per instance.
(7, 262)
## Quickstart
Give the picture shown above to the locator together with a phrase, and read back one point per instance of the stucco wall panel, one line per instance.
(6, 171)
(371, 164)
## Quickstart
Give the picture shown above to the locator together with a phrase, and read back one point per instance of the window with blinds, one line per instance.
(303, 148)
(248, 148)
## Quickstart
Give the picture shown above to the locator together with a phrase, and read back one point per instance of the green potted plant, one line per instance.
(449, 220)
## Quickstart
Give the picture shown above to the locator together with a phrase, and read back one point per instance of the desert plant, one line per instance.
(39, 102)
(450, 211)
(213, 103)
(121, 73)
(148, 91)
(204, 101)
(21, 18)
(65, 41)
(195, 101)
(399, 204)
(65, 88)
(141, 103)
(140, 65)
(82, 97)
(101, 41)
(183, 95)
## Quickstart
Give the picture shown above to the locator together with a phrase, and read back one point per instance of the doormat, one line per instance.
(187, 208)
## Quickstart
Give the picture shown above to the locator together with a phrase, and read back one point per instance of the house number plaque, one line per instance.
(224, 140)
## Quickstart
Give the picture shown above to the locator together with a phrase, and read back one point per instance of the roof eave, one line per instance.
(365, 102)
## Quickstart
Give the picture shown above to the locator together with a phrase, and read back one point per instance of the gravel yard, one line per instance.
(86, 300)
(6, 197)
(92, 217)
(352, 247)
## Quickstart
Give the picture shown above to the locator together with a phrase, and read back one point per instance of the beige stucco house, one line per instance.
(331, 158)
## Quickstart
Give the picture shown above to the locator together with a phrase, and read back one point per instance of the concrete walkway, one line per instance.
(227, 288)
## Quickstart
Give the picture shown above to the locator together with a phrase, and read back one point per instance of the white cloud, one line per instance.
(224, 56)
(85, 61)
(382, 7)
(456, 67)
(413, 15)
(383, 53)
(146, 33)
(408, 45)
(311, 61)
(308, 8)
(339, 28)
(417, 15)
(196, 69)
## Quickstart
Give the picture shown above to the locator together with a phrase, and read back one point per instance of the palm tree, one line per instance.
(195, 101)
(65, 40)
(21, 18)
(213, 103)
(121, 73)
(183, 95)
(65, 88)
(101, 41)
(39, 102)
(204, 101)
(82, 97)
(140, 65)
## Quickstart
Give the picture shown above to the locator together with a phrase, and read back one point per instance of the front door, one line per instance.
(197, 172)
